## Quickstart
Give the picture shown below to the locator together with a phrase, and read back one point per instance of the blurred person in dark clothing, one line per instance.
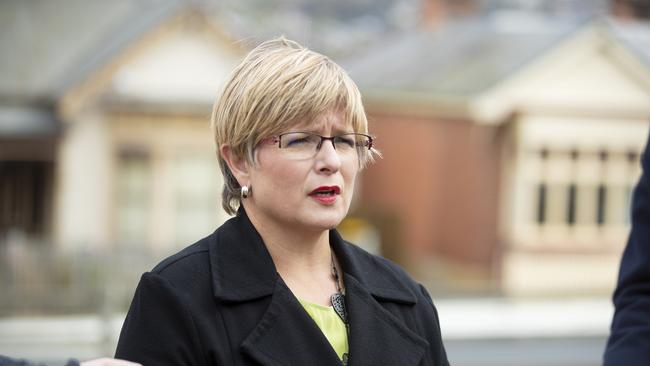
(6, 361)
(629, 341)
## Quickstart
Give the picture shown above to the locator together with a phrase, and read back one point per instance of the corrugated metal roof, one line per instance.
(48, 46)
(467, 57)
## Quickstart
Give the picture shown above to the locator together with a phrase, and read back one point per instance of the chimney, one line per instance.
(437, 12)
(630, 9)
(433, 13)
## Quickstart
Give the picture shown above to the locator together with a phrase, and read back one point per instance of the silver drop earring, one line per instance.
(245, 192)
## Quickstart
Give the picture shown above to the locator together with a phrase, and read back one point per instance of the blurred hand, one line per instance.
(109, 362)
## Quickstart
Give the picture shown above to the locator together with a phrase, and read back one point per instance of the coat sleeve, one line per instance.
(159, 328)
(436, 342)
(629, 341)
(6, 361)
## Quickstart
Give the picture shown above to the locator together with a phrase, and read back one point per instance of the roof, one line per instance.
(469, 56)
(21, 121)
(634, 35)
(49, 46)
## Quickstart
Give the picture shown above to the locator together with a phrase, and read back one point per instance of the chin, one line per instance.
(328, 221)
(326, 226)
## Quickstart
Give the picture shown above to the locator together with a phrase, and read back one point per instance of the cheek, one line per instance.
(350, 176)
(277, 176)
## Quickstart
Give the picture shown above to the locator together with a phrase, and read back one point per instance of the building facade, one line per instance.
(510, 151)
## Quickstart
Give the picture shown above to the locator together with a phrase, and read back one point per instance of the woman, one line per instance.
(291, 135)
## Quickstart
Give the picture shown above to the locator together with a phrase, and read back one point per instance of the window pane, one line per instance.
(628, 204)
(133, 180)
(601, 206)
(196, 197)
(586, 204)
(571, 204)
(541, 204)
(616, 205)
(557, 203)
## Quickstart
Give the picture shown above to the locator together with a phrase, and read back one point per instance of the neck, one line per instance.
(290, 247)
(302, 258)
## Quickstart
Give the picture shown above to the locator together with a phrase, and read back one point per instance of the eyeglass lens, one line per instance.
(304, 144)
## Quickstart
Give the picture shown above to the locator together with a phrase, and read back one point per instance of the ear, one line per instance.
(238, 165)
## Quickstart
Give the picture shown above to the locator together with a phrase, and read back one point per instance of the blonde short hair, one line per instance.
(279, 84)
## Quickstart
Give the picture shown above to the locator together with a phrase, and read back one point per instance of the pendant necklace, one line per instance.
(338, 303)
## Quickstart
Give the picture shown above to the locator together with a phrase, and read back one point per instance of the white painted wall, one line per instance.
(182, 67)
(84, 183)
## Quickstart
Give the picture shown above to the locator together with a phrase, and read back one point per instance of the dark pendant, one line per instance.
(338, 303)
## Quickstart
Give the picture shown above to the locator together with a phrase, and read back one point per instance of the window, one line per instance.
(571, 204)
(25, 197)
(541, 204)
(196, 193)
(133, 196)
(601, 199)
(584, 188)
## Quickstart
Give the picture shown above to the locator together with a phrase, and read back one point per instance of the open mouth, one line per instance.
(326, 191)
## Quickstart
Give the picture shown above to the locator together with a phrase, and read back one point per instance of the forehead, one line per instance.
(334, 120)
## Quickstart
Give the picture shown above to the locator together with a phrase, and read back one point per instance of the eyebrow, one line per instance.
(337, 129)
(313, 127)
(337, 132)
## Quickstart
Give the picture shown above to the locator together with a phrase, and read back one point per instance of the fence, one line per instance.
(39, 279)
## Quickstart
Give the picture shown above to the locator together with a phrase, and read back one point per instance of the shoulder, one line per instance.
(375, 262)
(187, 268)
(187, 256)
(232, 231)
(384, 278)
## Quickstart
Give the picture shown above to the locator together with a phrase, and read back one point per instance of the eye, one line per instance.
(345, 141)
(298, 139)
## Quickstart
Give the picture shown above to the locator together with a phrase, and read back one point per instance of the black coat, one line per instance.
(629, 342)
(220, 301)
(6, 361)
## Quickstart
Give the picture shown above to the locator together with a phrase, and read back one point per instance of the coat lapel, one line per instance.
(377, 337)
(286, 335)
(242, 270)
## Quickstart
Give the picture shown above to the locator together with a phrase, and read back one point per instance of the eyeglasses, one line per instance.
(305, 145)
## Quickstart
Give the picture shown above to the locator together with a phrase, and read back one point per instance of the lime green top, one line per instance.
(330, 324)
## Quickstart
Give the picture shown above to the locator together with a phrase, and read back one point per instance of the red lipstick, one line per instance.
(325, 195)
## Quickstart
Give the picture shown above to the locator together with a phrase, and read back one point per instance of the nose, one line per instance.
(327, 159)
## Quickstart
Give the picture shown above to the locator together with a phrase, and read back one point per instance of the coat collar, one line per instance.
(286, 336)
(242, 268)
